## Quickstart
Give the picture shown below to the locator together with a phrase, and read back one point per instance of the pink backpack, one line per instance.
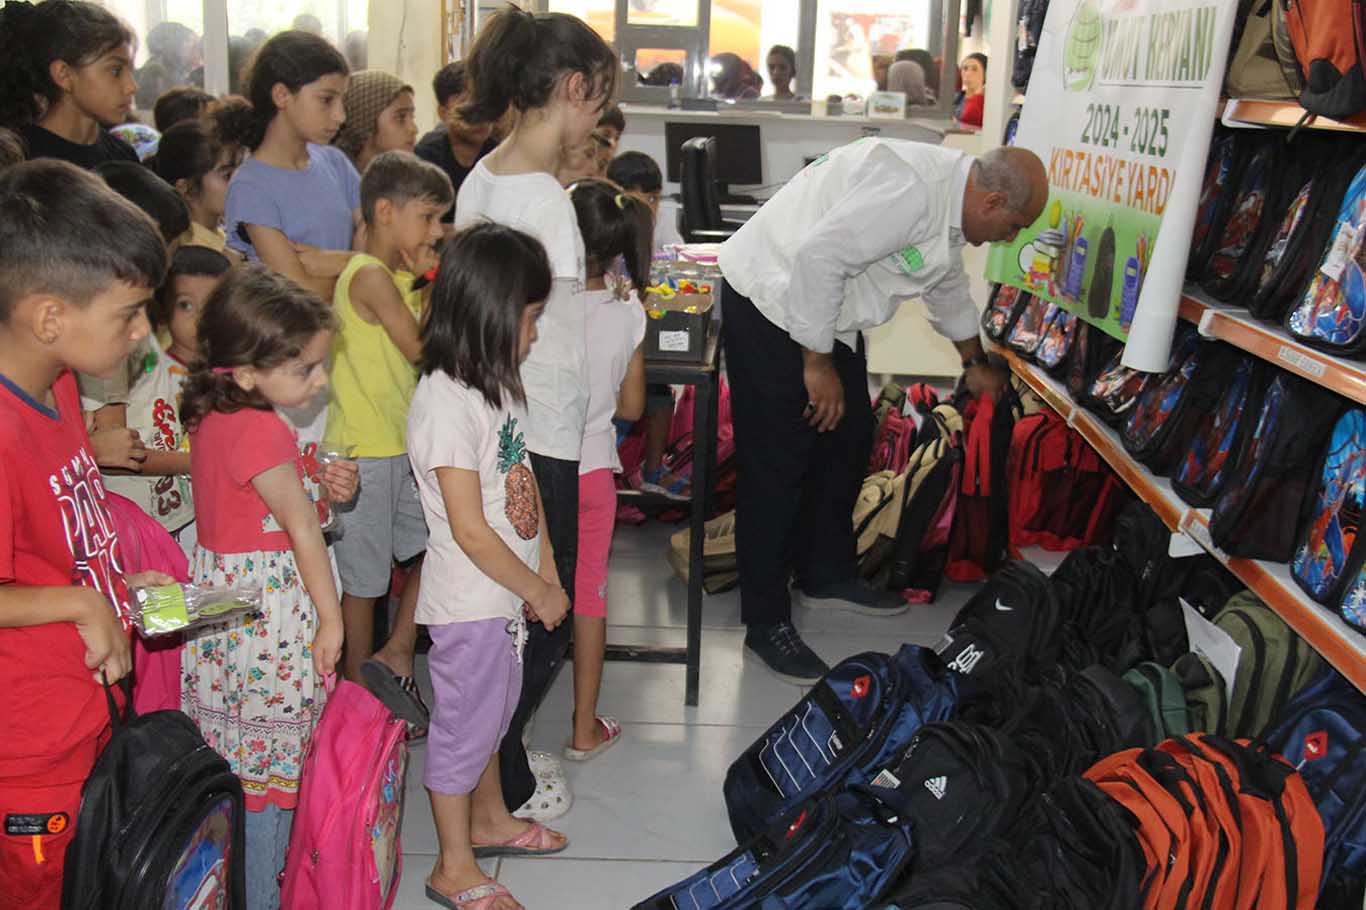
(344, 851)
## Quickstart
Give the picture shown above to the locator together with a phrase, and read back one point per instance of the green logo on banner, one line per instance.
(1081, 52)
(911, 259)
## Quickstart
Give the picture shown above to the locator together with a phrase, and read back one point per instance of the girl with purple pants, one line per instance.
(489, 568)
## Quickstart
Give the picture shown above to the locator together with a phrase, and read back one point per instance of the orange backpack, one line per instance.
(1329, 37)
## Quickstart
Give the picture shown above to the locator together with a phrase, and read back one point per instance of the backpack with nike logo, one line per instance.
(1258, 511)
(162, 821)
(1329, 558)
(1322, 734)
(837, 852)
(1007, 627)
(853, 721)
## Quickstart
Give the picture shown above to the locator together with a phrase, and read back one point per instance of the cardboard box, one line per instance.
(676, 327)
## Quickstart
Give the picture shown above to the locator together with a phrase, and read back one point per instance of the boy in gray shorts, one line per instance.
(373, 378)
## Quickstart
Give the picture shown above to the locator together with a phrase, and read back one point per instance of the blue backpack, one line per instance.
(1321, 733)
(1331, 312)
(1328, 562)
(833, 853)
(853, 722)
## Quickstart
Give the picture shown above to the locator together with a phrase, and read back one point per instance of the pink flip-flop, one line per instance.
(536, 840)
(611, 734)
(480, 897)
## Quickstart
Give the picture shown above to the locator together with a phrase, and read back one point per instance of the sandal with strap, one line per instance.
(480, 897)
(611, 734)
(398, 693)
(536, 840)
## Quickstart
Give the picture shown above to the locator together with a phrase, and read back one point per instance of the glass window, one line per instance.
(600, 14)
(669, 13)
(170, 49)
(251, 22)
(749, 29)
(857, 40)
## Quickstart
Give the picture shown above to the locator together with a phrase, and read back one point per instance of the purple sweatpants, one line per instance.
(477, 679)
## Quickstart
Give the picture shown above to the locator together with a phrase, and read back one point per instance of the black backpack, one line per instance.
(1103, 276)
(1211, 456)
(1092, 349)
(1007, 627)
(1328, 563)
(1228, 154)
(964, 785)
(1260, 183)
(1111, 396)
(161, 822)
(1003, 309)
(1258, 510)
(1084, 853)
(1172, 408)
(1304, 229)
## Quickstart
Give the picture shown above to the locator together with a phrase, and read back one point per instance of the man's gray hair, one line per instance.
(996, 175)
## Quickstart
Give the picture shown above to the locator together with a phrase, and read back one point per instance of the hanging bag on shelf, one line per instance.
(1331, 548)
(930, 500)
(1253, 70)
(1092, 350)
(1257, 514)
(1304, 227)
(1210, 458)
(1116, 388)
(1056, 344)
(1263, 180)
(1228, 153)
(1028, 330)
(1165, 409)
(1003, 309)
(1274, 664)
(1331, 313)
(1329, 39)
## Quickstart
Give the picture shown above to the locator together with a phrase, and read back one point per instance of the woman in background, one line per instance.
(968, 108)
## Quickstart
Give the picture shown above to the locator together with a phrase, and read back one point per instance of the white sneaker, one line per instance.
(552, 798)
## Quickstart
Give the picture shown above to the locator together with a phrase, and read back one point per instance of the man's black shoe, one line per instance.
(855, 595)
(783, 651)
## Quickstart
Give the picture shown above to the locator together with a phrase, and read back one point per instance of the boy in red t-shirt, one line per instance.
(77, 266)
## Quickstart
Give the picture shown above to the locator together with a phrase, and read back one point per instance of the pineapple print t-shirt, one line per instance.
(451, 426)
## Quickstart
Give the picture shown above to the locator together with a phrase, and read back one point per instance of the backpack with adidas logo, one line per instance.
(161, 823)
(1209, 460)
(1273, 664)
(1259, 508)
(1331, 549)
(965, 785)
(856, 719)
(1331, 312)
(344, 851)
(837, 852)
(1322, 733)
(1329, 39)
(1007, 627)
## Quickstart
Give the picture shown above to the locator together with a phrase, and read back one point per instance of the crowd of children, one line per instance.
(313, 356)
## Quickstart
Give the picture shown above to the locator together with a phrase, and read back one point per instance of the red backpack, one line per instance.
(1329, 37)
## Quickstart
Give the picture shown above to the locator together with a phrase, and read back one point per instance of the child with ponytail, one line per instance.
(615, 225)
(256, 691)
(65, 79)
(555, 75)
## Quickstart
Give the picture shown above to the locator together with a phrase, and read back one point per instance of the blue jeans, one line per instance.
(267, 839)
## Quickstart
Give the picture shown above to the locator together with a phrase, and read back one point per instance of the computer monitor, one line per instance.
(739, 153)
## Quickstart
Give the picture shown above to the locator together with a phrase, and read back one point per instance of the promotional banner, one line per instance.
(1121, 105)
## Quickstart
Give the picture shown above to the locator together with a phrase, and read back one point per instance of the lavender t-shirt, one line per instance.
(311, 206)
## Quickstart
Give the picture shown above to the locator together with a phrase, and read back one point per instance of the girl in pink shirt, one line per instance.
(256, 690)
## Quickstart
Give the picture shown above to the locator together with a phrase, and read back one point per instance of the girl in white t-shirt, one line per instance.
(488, 567)
(615, 225)
(555, 75)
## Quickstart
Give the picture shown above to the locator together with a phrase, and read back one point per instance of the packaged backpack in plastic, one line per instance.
(1092, 350)
(1005, 306)
(1116, 389)
(1328, 561)
(1228, 153)
(1171, 406)
(1257, 187)
(1210, 458)
(1024, 336)
(1056, 344)
(1331, 313)
(1257, 514)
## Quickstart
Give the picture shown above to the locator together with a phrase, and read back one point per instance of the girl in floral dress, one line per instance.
(256, 688)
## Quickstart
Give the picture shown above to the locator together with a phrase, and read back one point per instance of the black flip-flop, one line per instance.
(398, 693)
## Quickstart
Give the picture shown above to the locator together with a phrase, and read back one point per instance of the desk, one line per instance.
(704, 377)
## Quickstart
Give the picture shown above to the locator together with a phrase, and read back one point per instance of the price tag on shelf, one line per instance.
(1307, 364)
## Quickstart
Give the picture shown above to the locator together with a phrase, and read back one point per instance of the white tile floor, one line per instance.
(649, 811)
